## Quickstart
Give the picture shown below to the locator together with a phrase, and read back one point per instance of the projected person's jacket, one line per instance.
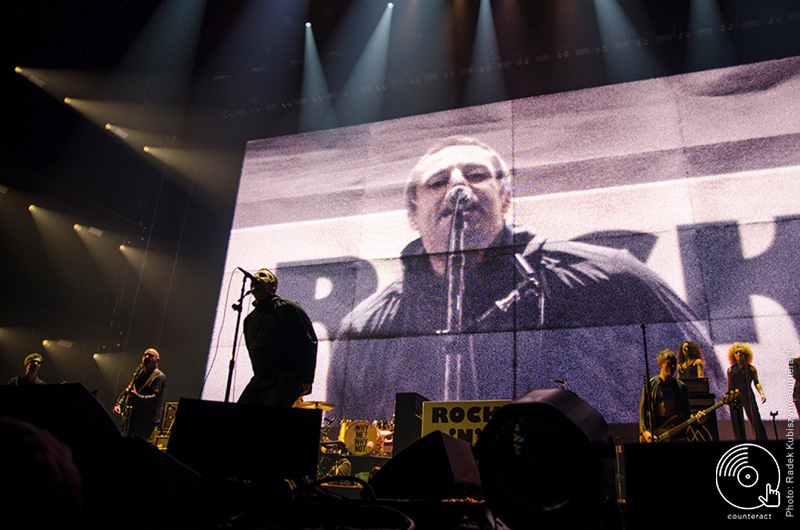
(571, 312)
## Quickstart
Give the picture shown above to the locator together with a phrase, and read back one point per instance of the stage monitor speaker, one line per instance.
(69, 411)
(250, 442)
(435, 467)
(547, 460)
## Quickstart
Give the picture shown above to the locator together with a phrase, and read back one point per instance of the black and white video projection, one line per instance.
(670, 202)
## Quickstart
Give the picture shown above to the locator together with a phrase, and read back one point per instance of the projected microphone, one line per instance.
(458, 197)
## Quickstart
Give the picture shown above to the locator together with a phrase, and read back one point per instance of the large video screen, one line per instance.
(485, 252)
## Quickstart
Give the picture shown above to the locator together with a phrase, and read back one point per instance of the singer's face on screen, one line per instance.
(459, 165)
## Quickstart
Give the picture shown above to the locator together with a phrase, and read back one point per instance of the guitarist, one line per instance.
(670, 399)
(141, 400)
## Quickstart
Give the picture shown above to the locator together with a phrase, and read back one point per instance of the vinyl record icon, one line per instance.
(743, 473)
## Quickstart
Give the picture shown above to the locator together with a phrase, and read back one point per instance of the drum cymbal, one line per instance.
(318, 405)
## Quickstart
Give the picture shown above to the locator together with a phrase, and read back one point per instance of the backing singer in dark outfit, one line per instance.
(743, 376)
(690, 360)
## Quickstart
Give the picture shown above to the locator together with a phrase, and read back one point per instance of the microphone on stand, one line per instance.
(249, 276)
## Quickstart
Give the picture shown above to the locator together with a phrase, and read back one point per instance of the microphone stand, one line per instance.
(238, 308)
(774, 423)
(648, 401)
(531, 284)
(455, 270)
(455, 298)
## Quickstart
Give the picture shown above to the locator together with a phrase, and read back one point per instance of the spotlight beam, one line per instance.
(368, 75)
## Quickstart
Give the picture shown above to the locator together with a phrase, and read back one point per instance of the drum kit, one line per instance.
(362, 438)
(355, 438)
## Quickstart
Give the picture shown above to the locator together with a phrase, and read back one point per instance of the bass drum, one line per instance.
(361, 438)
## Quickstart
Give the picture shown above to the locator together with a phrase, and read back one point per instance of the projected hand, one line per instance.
(771, 499)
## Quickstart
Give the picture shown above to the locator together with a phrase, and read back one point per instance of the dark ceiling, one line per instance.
(245, 84)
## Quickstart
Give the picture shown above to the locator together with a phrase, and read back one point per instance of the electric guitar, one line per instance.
(666, 432)
(126, 404)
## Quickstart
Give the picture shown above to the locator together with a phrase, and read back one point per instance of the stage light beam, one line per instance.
(709, 49)
(321, 114)
(366, 105)
(488, 85)
(624, 62)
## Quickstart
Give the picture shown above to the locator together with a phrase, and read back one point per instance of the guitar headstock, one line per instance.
(731, 398)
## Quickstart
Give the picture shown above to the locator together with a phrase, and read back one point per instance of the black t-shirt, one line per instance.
(667, 401)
